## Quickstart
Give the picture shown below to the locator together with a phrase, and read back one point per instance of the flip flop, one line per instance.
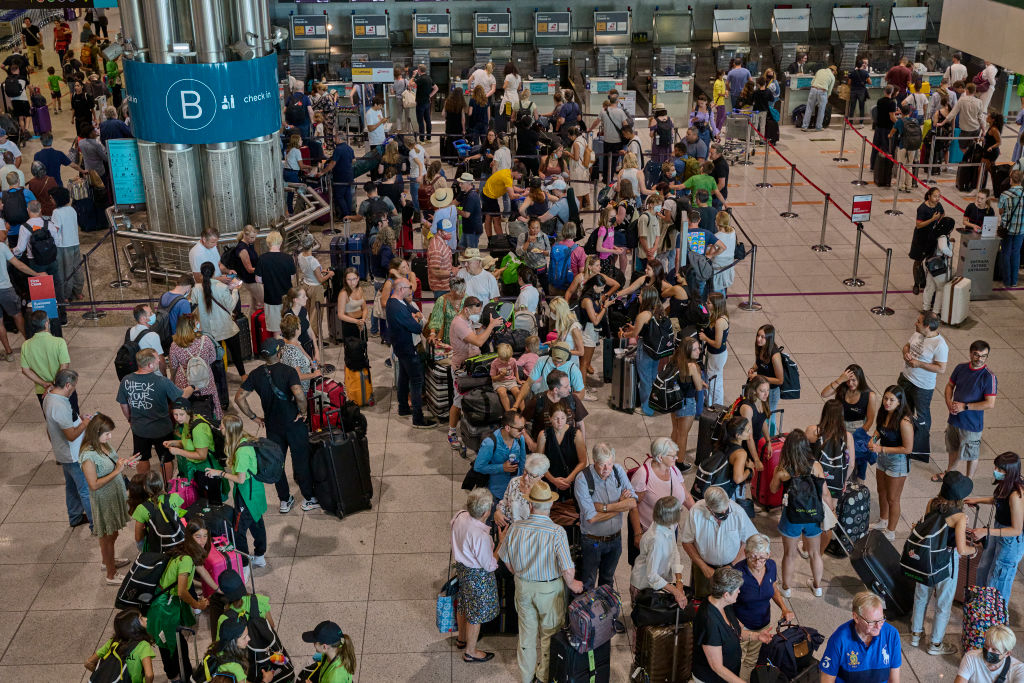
(937, 478)
(470, 659)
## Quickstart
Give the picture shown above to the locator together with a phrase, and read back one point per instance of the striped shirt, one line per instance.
(536, 549)
(1011, 209)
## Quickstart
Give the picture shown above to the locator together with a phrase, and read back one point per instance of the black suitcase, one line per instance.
(507, 621)
(419, 269)
(341, 472)
(709, 430)
(771, 129)
(607, 358)
(244, 336)
(877, 563)
(967, 176)
(471, 436)
(498, 246)
(218, 519)
(883, 171)
(569, 666)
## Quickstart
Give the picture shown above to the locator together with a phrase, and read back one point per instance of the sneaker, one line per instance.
(683, 467)
(121, 562)
(404, 413)
(116, 580)
(881, 525)
(942, 648)
(424, 423)
(287, 505)
(803, 553)
(814, 589)
(84, 519)
(310, 505)
(915, 639)
(589, 395)
(453, 441)
(257, 561)
(786, 592)
(890, 535)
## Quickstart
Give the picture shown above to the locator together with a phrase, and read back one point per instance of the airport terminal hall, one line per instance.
(467, 341)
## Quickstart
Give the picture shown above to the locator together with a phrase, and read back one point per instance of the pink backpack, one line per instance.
(184, 488)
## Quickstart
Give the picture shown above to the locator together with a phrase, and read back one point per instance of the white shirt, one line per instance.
(292, 160)
(529, 298)
(482, 78)
(658, 561)
(4, 170)
(146, 338)
(925, 350)
(417, 162)
(975, 670)
(471, 543)
(8, 146)
(956, 72)
(375, 136)
(482, 285)
(717, 543)
(24, 235)
(199, 254)
(66, 220)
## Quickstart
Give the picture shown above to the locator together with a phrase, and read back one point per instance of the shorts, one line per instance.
(688, 409)
(144, 446)
(272, 315)
(21, 108)
(791, 530)
(966, 444)
(489, 206)
(55, 94)
(10, 303)
(507, 384)
(591, 337)
(315, 292)
(893, 464)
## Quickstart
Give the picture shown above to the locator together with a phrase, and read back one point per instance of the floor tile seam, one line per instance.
(35, 597)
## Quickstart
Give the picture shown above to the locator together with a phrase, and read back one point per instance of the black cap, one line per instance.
(231, 585)
(182, 403)
(955, 486)
(232, 627)
(326, 633)
(271, 347)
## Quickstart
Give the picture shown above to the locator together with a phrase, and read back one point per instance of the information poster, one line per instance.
(126, 171)
(552, 24)
(433, 25)
(309, 27)
(611, 23)
(861, 208)
(369, 26)
(492, 25)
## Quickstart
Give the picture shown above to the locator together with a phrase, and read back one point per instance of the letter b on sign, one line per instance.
(190, 107)
(191, 104)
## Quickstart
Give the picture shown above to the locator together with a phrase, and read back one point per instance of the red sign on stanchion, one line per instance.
(861, 212)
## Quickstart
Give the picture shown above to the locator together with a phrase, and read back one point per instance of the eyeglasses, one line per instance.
(876, 622)
(513, 428)
(979, 355)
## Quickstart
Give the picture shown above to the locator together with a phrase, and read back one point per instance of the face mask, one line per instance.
(672, 174)
(992, 657)
(656, 208)
(474, 318)
(152, 319)
(998, 476)
(318, 656)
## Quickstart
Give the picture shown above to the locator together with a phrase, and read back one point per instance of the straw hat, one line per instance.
(442, 197)
(542, 493)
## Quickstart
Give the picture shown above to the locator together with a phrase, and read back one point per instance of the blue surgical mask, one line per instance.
(152, 319)
(998, 476)
(656, 208)
(318, 656)
(474, 318)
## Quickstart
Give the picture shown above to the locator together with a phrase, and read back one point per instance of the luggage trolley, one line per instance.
(737, 134)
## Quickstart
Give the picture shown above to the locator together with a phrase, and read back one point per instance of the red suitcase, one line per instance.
(259, 331)
(326, 397)
(770, 456)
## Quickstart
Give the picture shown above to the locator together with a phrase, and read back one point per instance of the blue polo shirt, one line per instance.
(754, 606)
(491, 459)
(343, 158)
(971, 386)
(850, 661)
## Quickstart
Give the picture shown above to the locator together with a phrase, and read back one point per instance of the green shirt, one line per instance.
(251, 492)
(113, 73)
(182, 564)
(141, 514)
(143, 650)
(233, 668)
(335, 673)
(43, 354)
(262, 604)
(192, 440)
(701, 181)
(54, 82)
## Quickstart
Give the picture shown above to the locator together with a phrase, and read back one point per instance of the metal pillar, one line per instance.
(882, 309)
(853, 280)
(750, 304)
(821, 246)
(860, 177)
(788, 213)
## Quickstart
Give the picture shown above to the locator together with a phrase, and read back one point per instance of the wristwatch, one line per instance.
(604, 507)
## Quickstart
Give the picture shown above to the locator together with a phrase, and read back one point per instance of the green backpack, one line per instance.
(510, 268)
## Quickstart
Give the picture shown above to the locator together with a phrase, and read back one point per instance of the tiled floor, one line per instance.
(377, 573)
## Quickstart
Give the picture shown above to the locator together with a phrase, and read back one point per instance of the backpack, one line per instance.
(835, 467)
(269, 460)
(13, 86)
(666, 392)
(356, 357)
(162, 326)
(698, 266)
(44, 249)
(588, 155)
(164, 530)
(229, 259)
(141, 584)
(803, 501)
(630, 228)
(663, 131)
(218, 438)
(124, 361)
(590, 246)
(927, 557)
(510, 268)
(376, 208)
(198, 373)
(588, 473)
(652, 173)
(912, 136)
(113, 666)
(981, 83)
(790, 388)
(15, 210)
(263, 642)
(658, 337)
(295, 111)
(559, 274)
(714, 470)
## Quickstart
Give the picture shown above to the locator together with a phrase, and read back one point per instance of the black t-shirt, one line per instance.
(859, 79)
(32, 36)
(886, 106)
(272, 383)
(276, 270)
(976, 216)
(711, 628)
(526, 141)
(577, 413)
(922, 242)
(721, 171)
(423, 87)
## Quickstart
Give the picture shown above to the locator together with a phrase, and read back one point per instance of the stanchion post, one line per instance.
(842, 136)
(149, 278)
(746, 147)
(931, 160)
(882, 309)
(821, 246)
(860, 177)
(92, 313)
(788, 213)
(119, 282)
(764, 184)
(853, 280)
(895, 191)
(331, 230)
(750, 304)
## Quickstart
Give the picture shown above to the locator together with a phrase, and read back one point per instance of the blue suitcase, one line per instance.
(356, 254)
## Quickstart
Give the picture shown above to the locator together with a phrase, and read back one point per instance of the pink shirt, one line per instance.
(577, 257)
(471, 543)
(500, 369)
(644, 479)
(527, 361)
(461, 349)
(607, 243)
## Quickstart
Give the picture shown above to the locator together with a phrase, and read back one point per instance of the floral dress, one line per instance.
(204, 348)
(295, 357)
(110, 501)
(323, 103)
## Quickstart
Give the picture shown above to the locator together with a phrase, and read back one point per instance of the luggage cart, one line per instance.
(736, 136)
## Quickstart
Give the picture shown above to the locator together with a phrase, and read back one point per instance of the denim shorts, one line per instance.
(688, 409)
(894, 464)
(790, 530)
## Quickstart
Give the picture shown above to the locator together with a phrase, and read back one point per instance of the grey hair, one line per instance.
(65, 377)
(38, 169)
(458, 287)
(663, 446)
(537, 464)
(758, 543)
(865, 600)
(478, 502)
(666, 511)
(540, 507)
(725, 580)
(603, 452)
(1000, 637)
(716, 499)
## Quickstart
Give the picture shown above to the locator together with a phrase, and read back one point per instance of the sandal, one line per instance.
(460, 644)
(470, 659)
(937, 478)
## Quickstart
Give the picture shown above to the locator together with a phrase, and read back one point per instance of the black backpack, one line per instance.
(590, 246)
(124, 361)
(912, 137)
(269, 460)
(927, 557)
(15, 210)
(218, 437)
(588, 473)
(666, 390)
(162, 326)
(13, 86)
(790, 388)
(229, 259)
(141, 584)
(164, 529)
(663, 130)
(113, 666)
(803, 501)
(712, 471)
(263, 642)
(356, 357)
(834, 465)
(295, 111)
(44, 249)
(658, 337)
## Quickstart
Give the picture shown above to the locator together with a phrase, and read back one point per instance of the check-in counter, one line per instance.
(542, 93)
(675, 92)
(597, 92)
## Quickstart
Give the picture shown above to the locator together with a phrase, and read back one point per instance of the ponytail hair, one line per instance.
(347, 654)
(207, 270)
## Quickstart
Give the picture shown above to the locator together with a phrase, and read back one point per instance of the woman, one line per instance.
(553, 163)
(714, 337)
(703, 119)
(189, 343)
(82, 105)
(293, 354)
(567, 327)
(227, 658)
(536, 202)
(40, 185)
(565, 449)
(529, 294)
(534, 249)
(579, 170)
(860, 405)
(95, 159)
(247, 256)
(445, 309)
(993, 138)
(693, 384)
(977, 211)
(802, 479)
(662, 130)
(513, 506)
(654, 275)
(293, 166)
(986, 664)
(173, 608)
(759, 590)
(312, 278)
(417, 168)
(593, 310)
(718, 94)
(631, 173)
(351, 306)
(130, 645)
(214, 302)
(942, 256)
(646, 366)
(726, 235)
(591, 268)
(250, 499)
(949, 507)
(860, 81)
(928, 213)
(657, 478)
(433, 180)
(295, 302)
(833, 448)
(740, 465)
(475, 559)
(443, 201)
(323, 104)
(768, 363)
(892, 441)
(392, 161)
(478, 113)
(657, 564)
(108, 496)
(1005, 546)
(337, 654)
(511, 88)
(754, 407)
(195, 450)
(719, 632)
(454, 123)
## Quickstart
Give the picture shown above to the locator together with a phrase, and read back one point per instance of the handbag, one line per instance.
(446, 600)
(936, 265)
(475, 480)
(656, 608)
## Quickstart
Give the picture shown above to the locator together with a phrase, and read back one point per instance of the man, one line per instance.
(899, 77)
(276, 270)
(502, 454)
(284, 416)
(175, 301)
(143, 334)
(972, 113)
(51, 158)
(797, 67)
(298, 111)
(956, 71)
(465, 344)
(989, 74)
(971, 391)
(611, 120)
(905, 151)
(340, 168)
(374, 207)
(8, 145)
(885, 118)
(403, 323)
(70, 279)
(480, 282)
(20, 105)
(736, 78)
(44, 356)
(145, 397)
(558, 210)
(39, 250)
(630, 143)
(817, 96)
(425, 91)
(604, 493)
(112, 127)
(866, 648)
(713, 535)
(375, 121)
(925, 356)
(500, 184)
(205, 250)
(559, 390)
(721, 175)
(10, 302)
(15, 207)
(484, 77)
(691, 146)
(65, 429)
(8, 168)
(536, 551)
(1011, 211)
(439, 260)
(471, 212)
(559, 359)
(32, 41)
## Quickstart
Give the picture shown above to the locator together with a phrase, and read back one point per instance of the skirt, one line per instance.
(478, 594)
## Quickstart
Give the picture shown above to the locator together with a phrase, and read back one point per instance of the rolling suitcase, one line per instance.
(325, 399)
(419, 269)
(569, 666)
(41, 120)
(259, 332)
(341, 472)
(968, 574)
(665, 653)
(1000, 178)
(883, 171)
(624, 381)
(771, 454)
(853, 512)
(877, 563)
(358, 386)
(507, 621)
(244, 337)
(356, 254)
(471, 436)
(607, 358)
(438, 389)
(956, 301)
(709, 427)
(338, 253)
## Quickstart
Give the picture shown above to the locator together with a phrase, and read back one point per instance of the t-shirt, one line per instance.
(977, 216)
(178, 565)
(6, 255)
(53, 159)
(141, 513)
(700, 239)
(199, 254)
(886, 106)
(59, 416)
(424, 85)
(859, 79)
(850, 661)
(969, 386)
(276, 271)
(251, 491)
(754, 605)
(712, 628)
(262, 606)
(142, 650)
(66, 221)
(293, 159)
(32, 35)
(697, 149)
(497, 185)
(974, 669)
(461, 349)
(44, 354)
(146, 338)
(148, 396)
(721, 171)
(926, 350)
(375, 136)
(273, 385)
(701, 182)
(482, 285)
(543, 367)
(417, 162)
(612, 120)
(179, 309)
(529, 298)
(343, 158)
(473, 224)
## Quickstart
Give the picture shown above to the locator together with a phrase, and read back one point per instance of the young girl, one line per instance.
(593, 309)
(336, 662)
(1002, 554)
(893, 440)
(646, 366)
(691, 380)
(250, 499)
(313, 276)
(860, 405)
(146, 497)
(107, 495)
(229, 655)
(754, 407)
(351, 308)
(318, 126)
(195, 451)
(718, 94)
(530, 357)
(568, 327)
(296, 302)
(833, 449)
(715, 336)
(737, 432)
(130, 644)
(768, 362)
(504, 375)
(53, 80)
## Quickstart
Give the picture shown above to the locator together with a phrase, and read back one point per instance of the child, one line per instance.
(532, 355)
(145, 497)
(337, 660)
(129, 632)
(54, 82)
(504, 374)
(318, 126)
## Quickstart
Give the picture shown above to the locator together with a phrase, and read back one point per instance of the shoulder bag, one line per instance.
(1003, 230)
